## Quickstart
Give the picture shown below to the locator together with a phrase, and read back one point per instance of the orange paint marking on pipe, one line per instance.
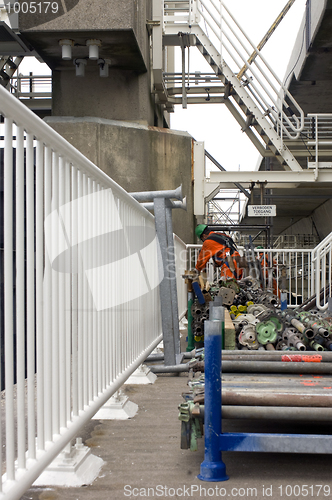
(314, 358)
(308, 358)
(291, 357)
(308, 382)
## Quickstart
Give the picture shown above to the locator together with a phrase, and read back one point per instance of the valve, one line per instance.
(291, 338)
(244, 319)
(269, 300)
(256, 309)
(248, 337)
(266, 332)
(282, 346)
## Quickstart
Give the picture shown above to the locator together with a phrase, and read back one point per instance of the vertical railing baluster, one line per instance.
(8, 298)
(47, 327)
(74, 307)
(20, 298)
(90, 257)
(31, 320)
(80, 280)
(99, 314)
(62, 311)
(67, 278)
(105, 291)
(94, 313)
(39, 292)
(55, 299)
(85, 229)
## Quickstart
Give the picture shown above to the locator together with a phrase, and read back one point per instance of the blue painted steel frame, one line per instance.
(213, 468)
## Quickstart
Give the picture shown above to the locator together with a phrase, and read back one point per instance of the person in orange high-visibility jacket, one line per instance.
(222, 249)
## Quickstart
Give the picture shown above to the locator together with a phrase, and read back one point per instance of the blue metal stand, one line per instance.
(212, 468)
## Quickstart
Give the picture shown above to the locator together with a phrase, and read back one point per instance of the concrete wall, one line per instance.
(138, 157)
(121, 28)
(124, 95)
(91, 15)
(319, 223)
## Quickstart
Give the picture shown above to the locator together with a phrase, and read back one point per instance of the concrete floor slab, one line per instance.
(143, 458)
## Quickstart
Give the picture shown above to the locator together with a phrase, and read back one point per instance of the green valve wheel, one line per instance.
(278, 324)
(266, 332)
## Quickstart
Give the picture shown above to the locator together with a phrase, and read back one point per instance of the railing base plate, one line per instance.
(118, 407)
(80, 468)
(143, 375)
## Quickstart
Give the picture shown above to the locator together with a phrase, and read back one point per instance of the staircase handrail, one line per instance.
(321, 258)
(262, 81)
(299, 123)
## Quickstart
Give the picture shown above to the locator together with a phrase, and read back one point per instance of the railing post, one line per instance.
(172, 272)
(165, 285)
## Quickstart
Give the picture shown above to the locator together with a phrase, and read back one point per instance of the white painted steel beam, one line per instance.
(199, 178)
(277, 177)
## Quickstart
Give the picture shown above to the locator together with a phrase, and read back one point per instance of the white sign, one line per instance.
(262, 210)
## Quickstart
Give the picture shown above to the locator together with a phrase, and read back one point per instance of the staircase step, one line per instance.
(248, 113)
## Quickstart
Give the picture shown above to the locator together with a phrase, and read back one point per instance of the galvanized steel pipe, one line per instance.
(269, 356)
(284, 356)
(149, 205)
(296, 414)
(284, 413)
(272, 367)
(171, 368)
(151, 195)
(255, 397)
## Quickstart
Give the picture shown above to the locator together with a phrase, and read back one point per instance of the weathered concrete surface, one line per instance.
(319, 222)
(124, 95)
(105, 20)
(121, 28)
(138, 157)
(144, 452)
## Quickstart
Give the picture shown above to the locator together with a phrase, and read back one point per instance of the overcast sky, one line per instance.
(213, 123)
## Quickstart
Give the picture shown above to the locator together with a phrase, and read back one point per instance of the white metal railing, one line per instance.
(80, 255)
(243, 57)
(31, 86)
(322, 270)
(320, 138)
(192, 256)
(291, 270)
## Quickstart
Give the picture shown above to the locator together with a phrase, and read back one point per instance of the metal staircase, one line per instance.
(8, 67)
(251, 90)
